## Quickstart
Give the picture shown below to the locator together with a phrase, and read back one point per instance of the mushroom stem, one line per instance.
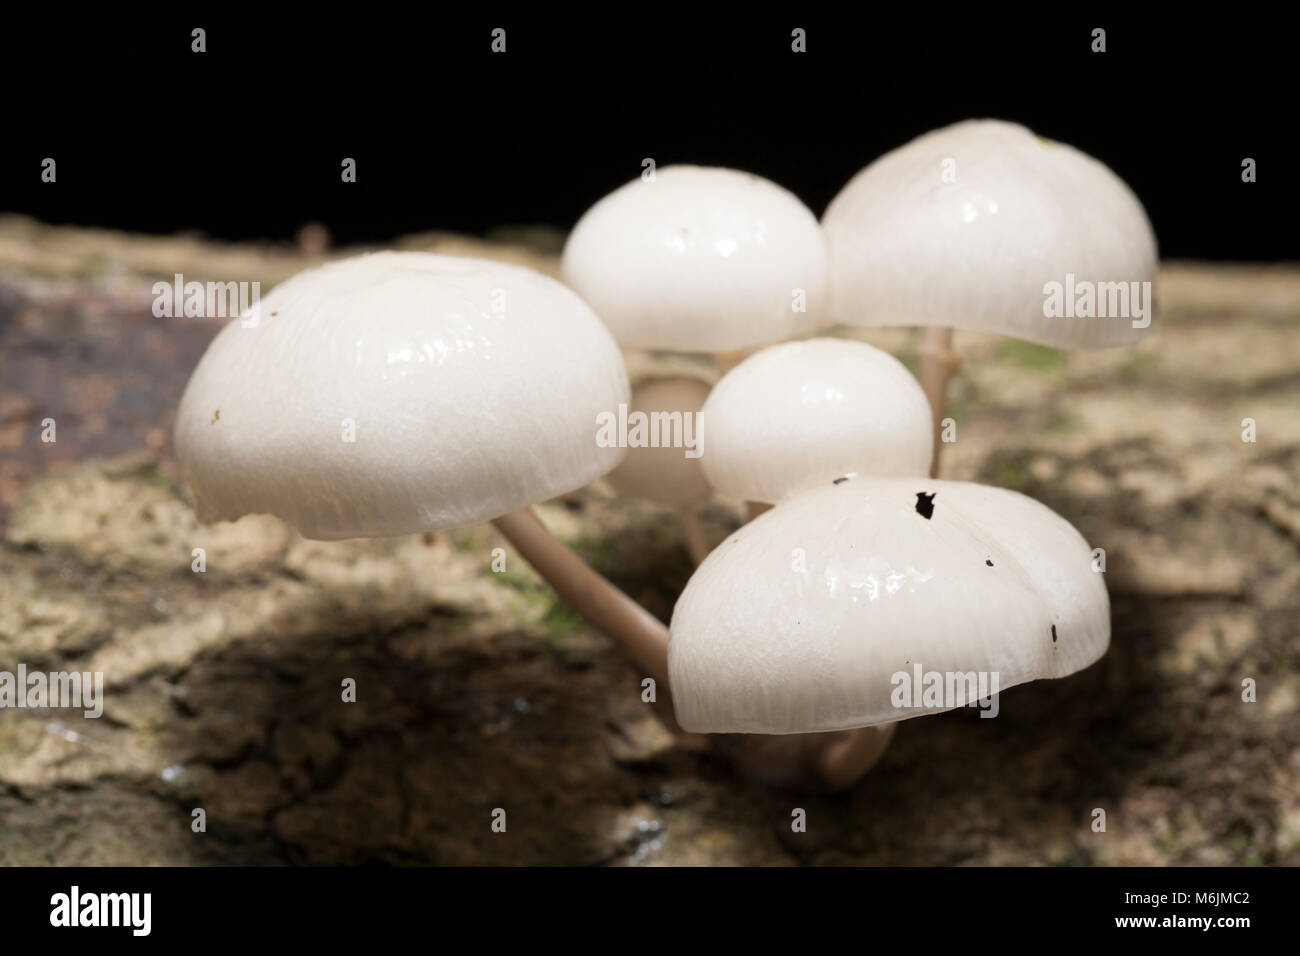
(828, 762)
(642, 636)
(844, 759)
(938, 364)
(697, 540)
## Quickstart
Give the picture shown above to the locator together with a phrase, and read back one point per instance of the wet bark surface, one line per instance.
(478, 690)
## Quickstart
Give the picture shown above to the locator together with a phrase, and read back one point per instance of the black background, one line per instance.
(246, 140)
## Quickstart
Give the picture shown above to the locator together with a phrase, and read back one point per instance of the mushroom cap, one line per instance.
(699, 260)
(909, 248)
(798, 415)
(472, 389)
(798, 621)
(665, 473)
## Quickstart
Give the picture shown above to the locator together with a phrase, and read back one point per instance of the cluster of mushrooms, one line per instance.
(474, 389)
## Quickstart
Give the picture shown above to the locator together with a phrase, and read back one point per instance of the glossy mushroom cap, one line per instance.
(667, 473)
(965, 227)
(699, 260)
(800, 620)
(400, 392)
(798, 415)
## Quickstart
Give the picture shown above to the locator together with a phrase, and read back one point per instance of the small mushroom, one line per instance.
(966, 226)
(670, 473)
(798, 415)
(699, 259)
(800, 621)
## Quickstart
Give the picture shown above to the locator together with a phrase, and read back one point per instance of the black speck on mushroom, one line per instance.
(989, 562)
(1053, 633)
(925, 504)
(840, 480)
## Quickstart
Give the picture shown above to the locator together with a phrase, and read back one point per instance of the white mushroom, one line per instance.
(970, 225)
(801, 621)
(797, 415)
(699, 259)
(403, 392)
(400, 392)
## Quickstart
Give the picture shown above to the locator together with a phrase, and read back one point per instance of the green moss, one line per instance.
(598, 552)
(556, 618)
(1012, 474)
(525, 584)
(559, 622)
(1038, 358)
(1063, 424)
(1141, 362)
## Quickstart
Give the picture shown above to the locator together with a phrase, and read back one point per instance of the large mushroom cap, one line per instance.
(801, 619)
(699, 260)
(966, 225)
(469, 389)
(797, 415)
